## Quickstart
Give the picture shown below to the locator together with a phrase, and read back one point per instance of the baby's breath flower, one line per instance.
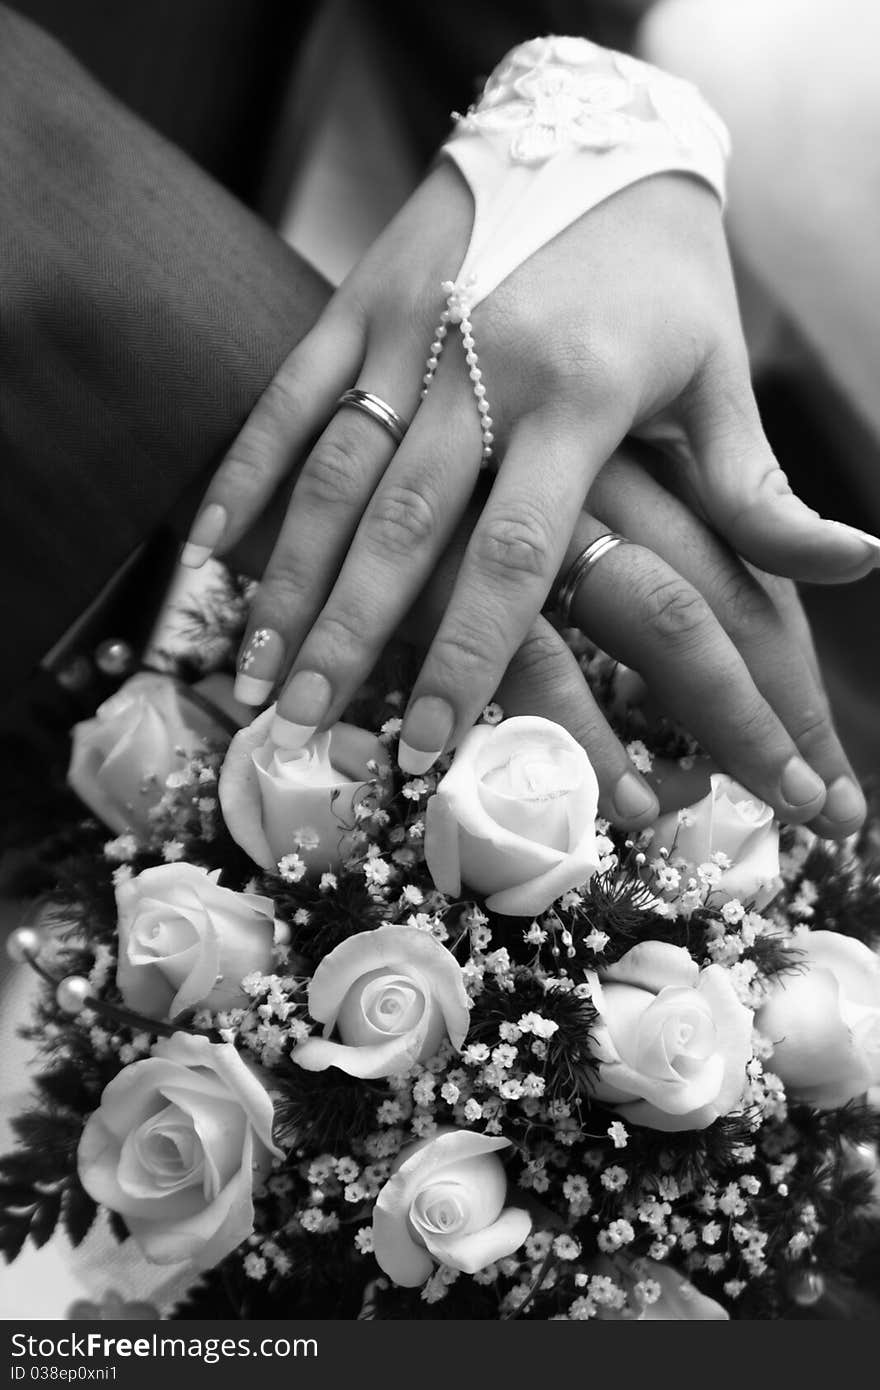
(291, 868)
(566, 1248)
(614, 1178)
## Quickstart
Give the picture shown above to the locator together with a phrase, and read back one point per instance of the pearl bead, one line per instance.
(21, 943)
(488, 437)
(73, 993)
(433, 363)
(437, 346)
(488, 422)
(114, 657)
(479, 390)
(428, 378)
(76, 674)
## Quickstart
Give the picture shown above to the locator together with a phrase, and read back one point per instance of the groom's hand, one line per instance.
(726, 652)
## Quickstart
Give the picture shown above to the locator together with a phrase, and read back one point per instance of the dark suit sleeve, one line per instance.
(142, 311)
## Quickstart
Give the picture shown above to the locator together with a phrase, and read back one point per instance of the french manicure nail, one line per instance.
(632, 798)
(413, 760)
(258, 666)
(302, 706)
(799, 784)
(205, 535)
(289, 735)
(426, 729)
(873, 542)
(844, 802)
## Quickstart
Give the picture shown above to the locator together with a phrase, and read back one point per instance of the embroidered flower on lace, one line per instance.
(550, 95)
(675, 102)
(552, 108)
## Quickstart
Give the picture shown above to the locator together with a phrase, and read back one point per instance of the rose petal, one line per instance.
(812, 1046)
(207, 1235)
(653, 965)
(442, 853)
(854, 965)
(403, 1259)
(392, 947)
(530, 899)
(238, 790)
(473, 1252)
(643, 1112)
(733, 1026)
(371, 1062)
(241, 1080)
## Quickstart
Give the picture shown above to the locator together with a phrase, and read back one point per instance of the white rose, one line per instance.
(824, 1020)
(392, 995)
(514, 819)
(185, 941)
(121, 758)
(269, 793)
(174, 1147)
(445, 1203)
(730, 820)
(672, 1041)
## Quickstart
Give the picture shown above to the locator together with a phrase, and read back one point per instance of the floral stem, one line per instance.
(533, 1291)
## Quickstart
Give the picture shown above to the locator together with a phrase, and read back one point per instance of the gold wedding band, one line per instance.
(578, 570)
(377, 409)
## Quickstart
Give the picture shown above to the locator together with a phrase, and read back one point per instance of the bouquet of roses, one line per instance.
(349, 1043)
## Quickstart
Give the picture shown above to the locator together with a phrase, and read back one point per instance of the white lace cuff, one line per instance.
(561, 125)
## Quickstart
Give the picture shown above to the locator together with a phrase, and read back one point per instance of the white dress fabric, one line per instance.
(563, 124)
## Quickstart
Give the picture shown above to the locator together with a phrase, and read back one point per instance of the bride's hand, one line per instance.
(725, 650)
(626, 321)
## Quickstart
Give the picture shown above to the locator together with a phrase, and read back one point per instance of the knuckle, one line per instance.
(402, 519)
(282, 397)
(284, 584)
(676, 611)
(514, 547)
(812, 725)
(329, 477)
(463, 650)
(539, 657)
(756, 728)
(748, 611)
(341, 633)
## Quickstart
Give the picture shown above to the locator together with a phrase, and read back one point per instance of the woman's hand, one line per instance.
(626, 321)
(723, 649)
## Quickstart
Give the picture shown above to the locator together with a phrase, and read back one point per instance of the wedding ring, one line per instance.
(374, 406)
(578, 570)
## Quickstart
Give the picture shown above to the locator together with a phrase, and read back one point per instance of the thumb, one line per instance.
(747, 497)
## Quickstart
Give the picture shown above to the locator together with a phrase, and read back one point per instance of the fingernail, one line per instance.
(632, 798)
(799, 784)
(844, 802)
(301, 708)
(873, 542)
(289, 735)
(258, 666)
(207, 529)
(426, 728)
